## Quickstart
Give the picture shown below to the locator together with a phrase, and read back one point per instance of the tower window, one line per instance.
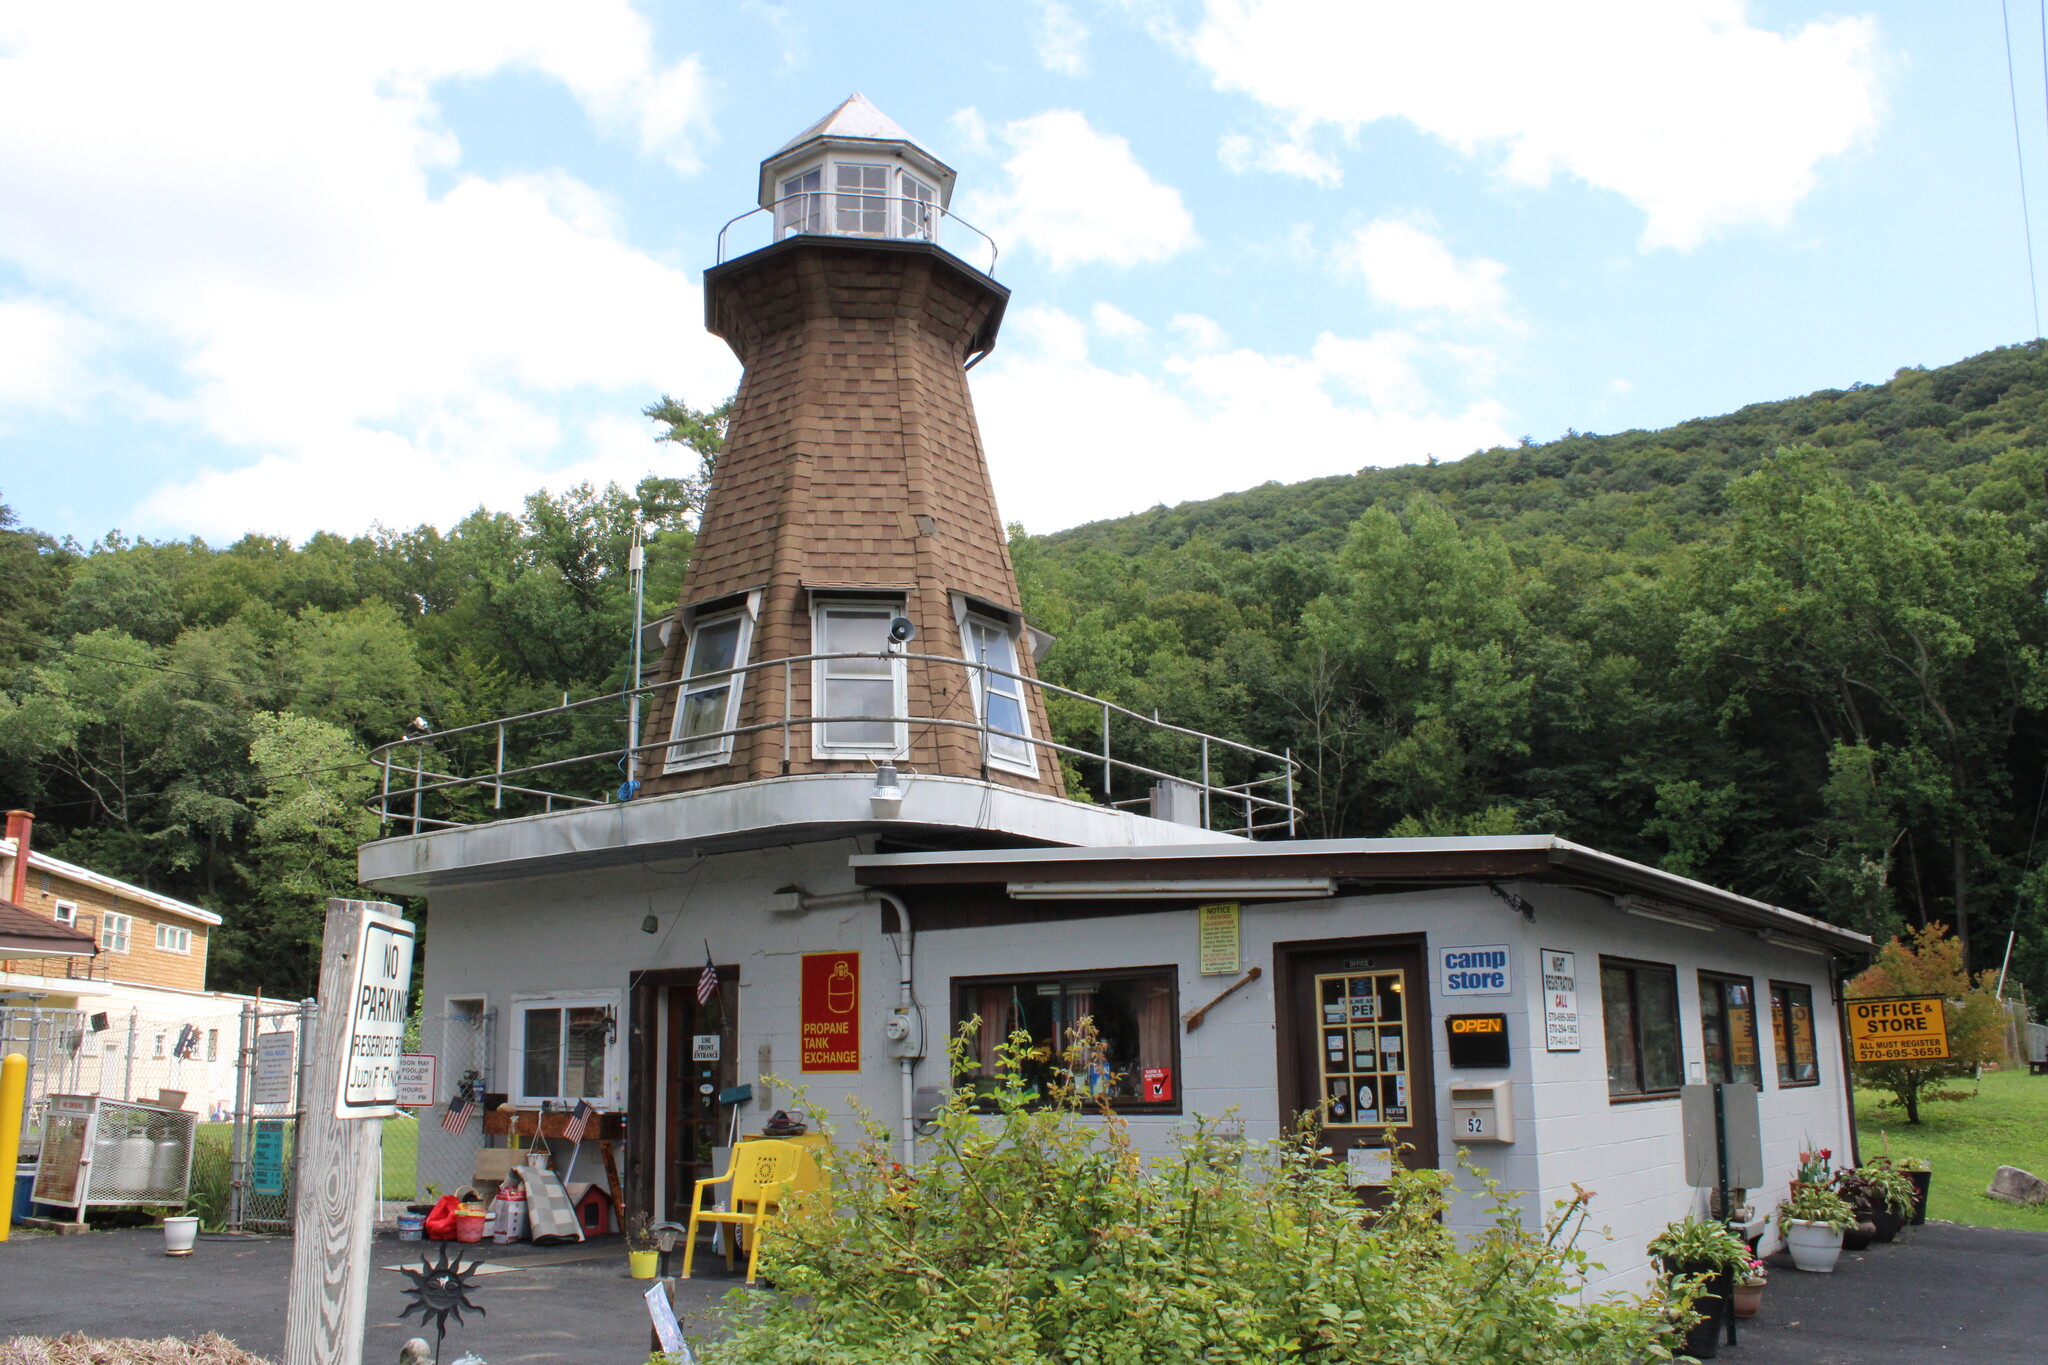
(999, 696)
(919, 212)
(800, 207)
(708, 699)
(863, 200)
(862, 697)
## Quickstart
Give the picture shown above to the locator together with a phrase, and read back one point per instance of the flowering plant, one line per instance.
(1753, 1275)
(1813, 1165)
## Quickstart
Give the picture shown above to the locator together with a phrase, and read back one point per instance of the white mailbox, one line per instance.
(1482, 1113)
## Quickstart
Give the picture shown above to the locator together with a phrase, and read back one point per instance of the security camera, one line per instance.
(902, 630)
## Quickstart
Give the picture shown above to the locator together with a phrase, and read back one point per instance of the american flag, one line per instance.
(578, 1121)
(707, 980)
(459, 1110)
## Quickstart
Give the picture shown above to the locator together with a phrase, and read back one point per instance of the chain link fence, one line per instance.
(462, 1042)
(53, 1042)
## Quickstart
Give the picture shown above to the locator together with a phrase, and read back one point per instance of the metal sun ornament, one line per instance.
(440, 1290)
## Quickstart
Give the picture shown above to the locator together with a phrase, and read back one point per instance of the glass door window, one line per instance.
(1364, 1053)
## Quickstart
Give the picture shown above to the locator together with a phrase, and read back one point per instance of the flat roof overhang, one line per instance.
(802, 808)
(1358, 866)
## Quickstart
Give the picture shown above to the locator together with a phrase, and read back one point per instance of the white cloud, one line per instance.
(44, 355)
(1407, 266)
(1113, 321)
(1687, 110)
(1209, 420)
(244, 191)
(1284, 156)
(1077, 196)
(1060, 38)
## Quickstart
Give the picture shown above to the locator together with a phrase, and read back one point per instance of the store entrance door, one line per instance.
(699, 1064)
(1354, 1036)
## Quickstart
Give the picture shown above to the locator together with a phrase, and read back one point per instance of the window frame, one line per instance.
(917, 208)
(1718, 982)
(677, 759)
(66, 913)
(610, 1093)
(1781, 1029)
(822, 745)
(1635, 966)
(962, 987)
(852, 200)
(808, 217)
(180, 938)
(116, 930)
(970, 620)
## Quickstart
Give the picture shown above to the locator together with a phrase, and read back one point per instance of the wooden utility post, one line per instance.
(340, 1147)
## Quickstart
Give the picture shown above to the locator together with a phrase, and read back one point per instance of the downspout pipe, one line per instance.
(906, 1004)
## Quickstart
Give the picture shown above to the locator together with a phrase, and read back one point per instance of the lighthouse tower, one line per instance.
(851, 602)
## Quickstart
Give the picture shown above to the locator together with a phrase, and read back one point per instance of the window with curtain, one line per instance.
(1135, 1013)
(1728, 1028)
(998, 697)
(1639, 1007)
(1792, 1023)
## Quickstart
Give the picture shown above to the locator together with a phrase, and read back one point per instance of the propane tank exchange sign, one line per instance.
(1899, 1028)
(376, 1025)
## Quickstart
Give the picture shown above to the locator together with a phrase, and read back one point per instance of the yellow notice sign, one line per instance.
(1899, 1028)
(1217, 935)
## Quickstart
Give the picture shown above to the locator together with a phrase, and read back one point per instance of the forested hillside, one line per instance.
(1796, 650)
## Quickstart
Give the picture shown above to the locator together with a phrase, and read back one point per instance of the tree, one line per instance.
(1930, 962)
(700, 431)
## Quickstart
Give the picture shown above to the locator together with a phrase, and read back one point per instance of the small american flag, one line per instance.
(578, 1121)
(459, 1110)
(707, 980)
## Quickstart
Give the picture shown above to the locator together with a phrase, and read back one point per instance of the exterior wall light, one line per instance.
(886, 799)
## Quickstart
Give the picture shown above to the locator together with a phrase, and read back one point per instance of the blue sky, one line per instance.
(287, 268)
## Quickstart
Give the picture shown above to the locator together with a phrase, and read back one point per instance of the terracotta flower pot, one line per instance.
(1748, 1299)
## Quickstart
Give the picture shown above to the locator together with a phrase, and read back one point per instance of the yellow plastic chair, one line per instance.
(762, 1174)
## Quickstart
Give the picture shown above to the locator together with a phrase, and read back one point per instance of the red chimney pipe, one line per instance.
(19, 823)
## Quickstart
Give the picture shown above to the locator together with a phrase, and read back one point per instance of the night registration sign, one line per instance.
(1900, 1028)
(376, 1022)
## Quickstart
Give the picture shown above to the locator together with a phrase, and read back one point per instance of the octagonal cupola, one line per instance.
(854, 173)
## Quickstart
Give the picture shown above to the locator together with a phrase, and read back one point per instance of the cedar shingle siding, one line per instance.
(852, 426)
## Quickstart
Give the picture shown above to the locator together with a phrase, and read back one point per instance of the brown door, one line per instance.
(1354, 1035)
(696, 1121)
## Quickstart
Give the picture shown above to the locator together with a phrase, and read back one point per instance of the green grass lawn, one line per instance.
(2006, 1125)
(401, 1152)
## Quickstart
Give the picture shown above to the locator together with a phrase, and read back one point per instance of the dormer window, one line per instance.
(863, 202)
(801, 207)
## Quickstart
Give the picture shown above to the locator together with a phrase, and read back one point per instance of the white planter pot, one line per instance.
(179, 1235)
(1814, 1246)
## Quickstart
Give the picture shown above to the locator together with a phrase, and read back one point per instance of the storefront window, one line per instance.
(1135, 1062)
(1728, 1029)
(1639, 1003)
(1792, 1022)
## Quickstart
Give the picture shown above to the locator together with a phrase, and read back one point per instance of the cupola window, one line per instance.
(863, 206)
(801, 206)
(919, 212)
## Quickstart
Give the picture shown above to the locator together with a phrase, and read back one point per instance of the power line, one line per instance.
(2026, 220)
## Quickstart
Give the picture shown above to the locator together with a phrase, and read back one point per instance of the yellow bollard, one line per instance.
(13, 1090)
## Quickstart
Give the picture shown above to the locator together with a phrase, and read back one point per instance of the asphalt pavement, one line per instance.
(572, 1303)
(1941, 1292)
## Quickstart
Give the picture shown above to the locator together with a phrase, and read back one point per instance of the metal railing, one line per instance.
(1239, 788)
(815, 213)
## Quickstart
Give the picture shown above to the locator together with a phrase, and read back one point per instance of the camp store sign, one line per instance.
(1898, 1028)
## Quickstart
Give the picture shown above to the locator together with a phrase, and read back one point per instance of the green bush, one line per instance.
(1037, 1233)
(211, 1175)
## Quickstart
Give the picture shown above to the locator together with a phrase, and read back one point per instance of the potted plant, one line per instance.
(1813, 1168)
(1880, 1195)
(1707, 1251)
(643, 1259)
(1813, 1221)
(1920, 1173)
(1749, 1288)
(1862, 1197)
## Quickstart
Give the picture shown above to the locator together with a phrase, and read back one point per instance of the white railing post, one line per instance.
(1289, 770)
(1207, 822)
(1106, 793)
(788, 702)
(498, 773)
